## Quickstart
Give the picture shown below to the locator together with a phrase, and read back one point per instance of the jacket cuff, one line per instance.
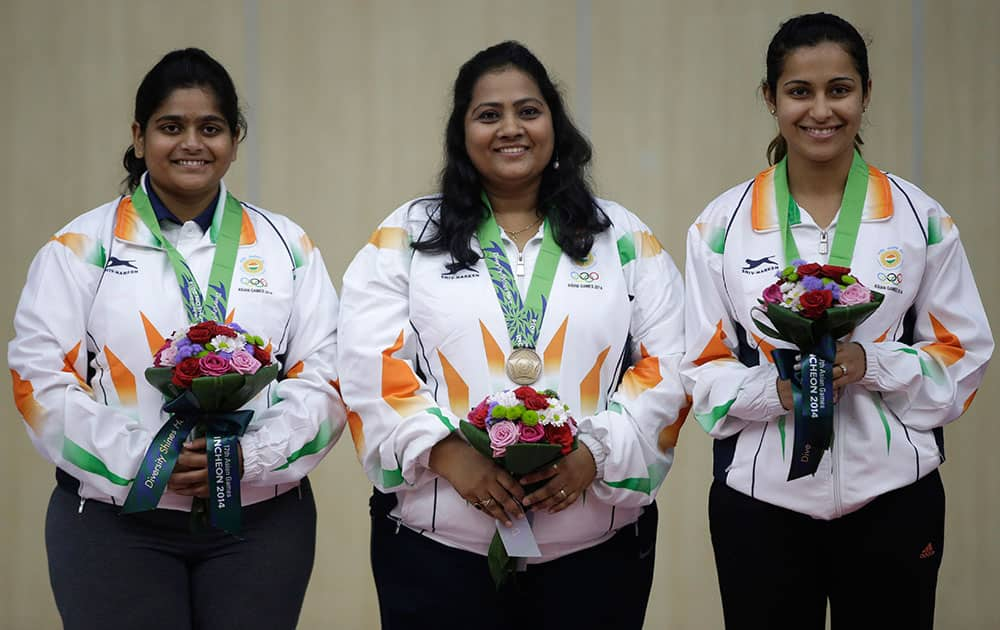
(597, 450)
(870, 380)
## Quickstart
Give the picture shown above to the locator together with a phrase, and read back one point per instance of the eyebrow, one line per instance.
(518, 102)
(177, 117)
(804, 82)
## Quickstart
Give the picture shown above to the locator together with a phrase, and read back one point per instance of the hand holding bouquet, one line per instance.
(811, 306)
(522, 430)
(207, 372)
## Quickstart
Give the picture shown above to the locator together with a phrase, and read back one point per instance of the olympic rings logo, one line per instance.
(891, 278)
(585, 276)
(257, 283)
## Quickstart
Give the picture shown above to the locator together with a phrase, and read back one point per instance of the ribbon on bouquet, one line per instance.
(222, 431)
(812, 394)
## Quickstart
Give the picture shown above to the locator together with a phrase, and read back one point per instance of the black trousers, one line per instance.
(877, 566)
(146, 570)
(424, 584)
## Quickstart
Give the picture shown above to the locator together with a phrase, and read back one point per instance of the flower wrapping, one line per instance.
(811, 306)
(522, 430)
(207, 373)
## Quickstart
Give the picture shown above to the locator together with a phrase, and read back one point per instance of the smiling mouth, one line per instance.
(820, 132)
(511, 150)
(193, 163)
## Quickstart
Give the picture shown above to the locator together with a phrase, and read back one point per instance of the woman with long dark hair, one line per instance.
(576, 291)
(861, 524)
(100, 298)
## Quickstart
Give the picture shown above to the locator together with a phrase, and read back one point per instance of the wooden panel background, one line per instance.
(347, 102)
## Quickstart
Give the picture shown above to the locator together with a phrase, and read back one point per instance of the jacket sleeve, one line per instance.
(288, 439)
(624, 439)
(726, 395)
(395, 420)
(933, 381)
(97, 443)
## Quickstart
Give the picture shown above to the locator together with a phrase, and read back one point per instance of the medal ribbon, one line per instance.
(523, 317)
(812, 386)
(197, 307)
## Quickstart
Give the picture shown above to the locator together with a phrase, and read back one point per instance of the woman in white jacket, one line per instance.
(100, 297)
(424, 338)
(865, 531)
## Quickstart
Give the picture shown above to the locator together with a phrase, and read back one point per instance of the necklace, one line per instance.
(522, 230)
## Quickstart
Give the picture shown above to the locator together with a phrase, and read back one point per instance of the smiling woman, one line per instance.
(127, 274)
(864, 523)
(478, 290)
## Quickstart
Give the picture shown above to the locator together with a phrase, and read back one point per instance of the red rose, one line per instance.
(186, 371)
(835, 272)
(560, 435)
(815, 303)
(225, 331)
(478, 415)
(524, 391)
(262, 354)
(808, 269)
(536, 402)
(202, 333)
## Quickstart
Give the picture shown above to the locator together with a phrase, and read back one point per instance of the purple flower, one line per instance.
(237, 327)
(244, 362)
(812, 283)
(798, 262)
(502, 435)
(213, 365)
(835, 289)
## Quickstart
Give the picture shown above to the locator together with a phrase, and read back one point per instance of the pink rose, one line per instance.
(502, 435)
(166, 356)
(213, 365)
(532, 433)
(243, 362)
(856, 293)
(773, 294)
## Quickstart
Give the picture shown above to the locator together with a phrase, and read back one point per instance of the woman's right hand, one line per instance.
(785, 393)
(480, 482)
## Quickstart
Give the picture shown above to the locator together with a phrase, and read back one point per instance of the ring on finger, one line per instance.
(562, 493)
(843, 369)
(485, 503)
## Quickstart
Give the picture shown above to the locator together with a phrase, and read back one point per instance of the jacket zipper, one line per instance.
(519, 269)
(823, 242)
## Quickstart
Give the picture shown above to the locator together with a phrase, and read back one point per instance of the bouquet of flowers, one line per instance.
(522, 430)
(207, 373)
(811, 306)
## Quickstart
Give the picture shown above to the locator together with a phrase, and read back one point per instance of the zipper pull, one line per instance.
(519, 269)
(823, 242)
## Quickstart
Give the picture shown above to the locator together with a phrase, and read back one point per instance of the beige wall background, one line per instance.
(347, 102)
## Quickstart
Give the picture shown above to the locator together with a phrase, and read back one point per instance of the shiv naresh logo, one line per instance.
(759, 265)
(120, 266)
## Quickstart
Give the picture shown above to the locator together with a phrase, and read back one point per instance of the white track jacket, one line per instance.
(419, 346)
(927, 346)
(99, 299)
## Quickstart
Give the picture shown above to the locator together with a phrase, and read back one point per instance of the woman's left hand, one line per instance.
(190, 475)
(568, 478)
(849, 365)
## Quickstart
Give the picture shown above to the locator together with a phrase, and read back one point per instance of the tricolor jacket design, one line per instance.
(99, 299)
(420, 345)
(927, 346)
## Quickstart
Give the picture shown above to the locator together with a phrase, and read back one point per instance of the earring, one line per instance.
(773, 111)
(555, 163)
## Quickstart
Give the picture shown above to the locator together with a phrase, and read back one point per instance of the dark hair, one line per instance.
(811, 30)
(186, 68)
(564, 195)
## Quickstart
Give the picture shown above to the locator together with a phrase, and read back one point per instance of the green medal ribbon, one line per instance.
(523, 317)
(197, 307)
(851, 208)
(812, 386)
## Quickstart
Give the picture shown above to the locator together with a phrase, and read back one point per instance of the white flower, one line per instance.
(222, 343)
(507, 399)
